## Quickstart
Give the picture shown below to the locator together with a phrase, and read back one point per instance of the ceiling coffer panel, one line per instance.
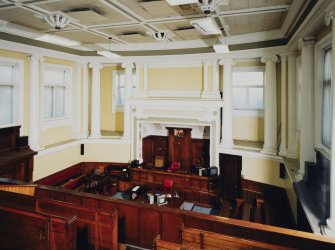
(83, 37)
(159, 9)
(129, 33)
(24, 17)
(87, 12)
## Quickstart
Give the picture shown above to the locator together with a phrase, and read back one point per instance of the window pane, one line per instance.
(326, 100)
(59, 93)
(48, 102)
(239, 98)
(255, 98)
(248, 78)
(122, 94)
(122, 80)
(6, 73)
(6, 104)
(53, 76)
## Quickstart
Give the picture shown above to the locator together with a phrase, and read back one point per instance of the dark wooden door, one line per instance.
(230, 173)
(147, 151)
(200, 152)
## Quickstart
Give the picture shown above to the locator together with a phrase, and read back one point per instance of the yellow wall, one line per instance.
(55, 135)
(106, 152)
(106, 89)
(109, 121)
(175, 79)
(248, 128)
(45, 165)
(261, 170)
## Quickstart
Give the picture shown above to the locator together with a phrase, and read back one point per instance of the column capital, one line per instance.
(273, 58)
(36, 58)
(208, 62)
(127, 65)
(95, 65)
(228, 61)
(330, 14)
(283, 57)
(305, 41)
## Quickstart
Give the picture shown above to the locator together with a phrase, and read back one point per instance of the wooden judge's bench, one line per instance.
(16, 158)
(198, 189)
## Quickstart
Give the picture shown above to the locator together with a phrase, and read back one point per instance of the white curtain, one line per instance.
(326, 99)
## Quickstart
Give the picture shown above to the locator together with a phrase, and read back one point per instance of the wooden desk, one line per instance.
(198, 189)
(173, 202)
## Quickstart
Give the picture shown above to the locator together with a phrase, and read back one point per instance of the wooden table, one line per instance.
(173, 202)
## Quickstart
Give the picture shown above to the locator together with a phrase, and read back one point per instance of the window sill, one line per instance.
(249, 113)
(56, 122)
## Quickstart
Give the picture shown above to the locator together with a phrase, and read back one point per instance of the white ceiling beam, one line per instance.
(255, 11)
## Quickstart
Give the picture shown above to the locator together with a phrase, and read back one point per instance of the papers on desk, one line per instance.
(187, 206)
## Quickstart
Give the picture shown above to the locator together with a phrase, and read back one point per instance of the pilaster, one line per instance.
(307, 144)
(270, 105)
(227, 112)
(34, 104)
(282, 149)
(292, 107)
(95, 103)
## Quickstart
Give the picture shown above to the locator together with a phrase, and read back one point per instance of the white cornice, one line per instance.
(317, 13)
(28, 49)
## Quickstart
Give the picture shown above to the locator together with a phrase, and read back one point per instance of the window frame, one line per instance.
(320, 48)
(116, 108)
(18, 91)
(249, 112)
(66, 120)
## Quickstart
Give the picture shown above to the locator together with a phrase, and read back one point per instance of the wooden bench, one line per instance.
(95, 228)
(61, 177)
(27, 229)
(73, 183)
(208, 240)
(140, 223)
(160, 244)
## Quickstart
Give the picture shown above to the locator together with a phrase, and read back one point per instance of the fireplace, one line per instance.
(152, 117)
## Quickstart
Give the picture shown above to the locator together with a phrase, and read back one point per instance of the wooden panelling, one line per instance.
(149, 226)
(130, 214)
(128, 224)
(16, 158)
(20, 189)
(27, 229)
(171, 224)
(191, 185)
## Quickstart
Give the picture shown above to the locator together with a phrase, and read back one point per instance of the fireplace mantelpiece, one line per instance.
(175, 112)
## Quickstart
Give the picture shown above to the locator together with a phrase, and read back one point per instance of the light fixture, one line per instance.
(207, 6)
(57, 40)
(108, 53)
(221, 48)
(206, 26)
(57, 20)
(161, 36)
(180, 2)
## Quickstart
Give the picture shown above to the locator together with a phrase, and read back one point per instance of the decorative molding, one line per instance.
(273, 58)
(94, 65)
(305, 41)
(172, 93)
(176, 64)
(228, 61)
(330, 14)
(128, 65)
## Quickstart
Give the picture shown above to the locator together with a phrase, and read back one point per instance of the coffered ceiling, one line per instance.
(126, 26)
